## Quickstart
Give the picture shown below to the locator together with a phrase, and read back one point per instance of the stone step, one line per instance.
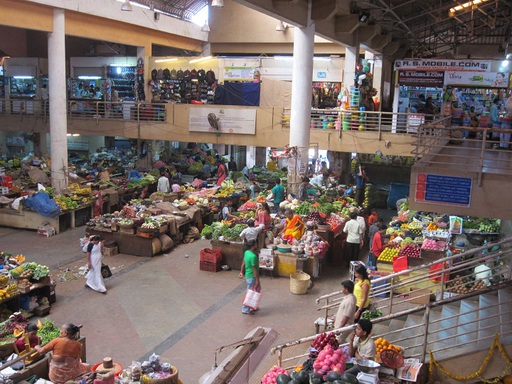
(467, 329)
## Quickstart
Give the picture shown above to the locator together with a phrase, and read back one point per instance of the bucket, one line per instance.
(299, 283)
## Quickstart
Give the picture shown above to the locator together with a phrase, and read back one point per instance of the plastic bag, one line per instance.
(252, 299)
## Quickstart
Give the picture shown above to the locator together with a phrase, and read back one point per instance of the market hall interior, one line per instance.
(165, 304)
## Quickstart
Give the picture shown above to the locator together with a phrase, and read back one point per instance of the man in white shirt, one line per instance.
(251, 232)
(346, 310)
(163, 184)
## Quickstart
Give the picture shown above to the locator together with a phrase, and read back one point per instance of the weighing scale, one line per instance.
(368, 378)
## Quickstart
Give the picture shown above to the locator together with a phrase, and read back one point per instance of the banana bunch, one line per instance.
(3, 280)
(6, 293)
(225, 192)
(77, 189)
(11, 289)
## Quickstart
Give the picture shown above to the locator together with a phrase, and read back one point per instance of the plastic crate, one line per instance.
(211, 255)
(209, 267)
(7, 181)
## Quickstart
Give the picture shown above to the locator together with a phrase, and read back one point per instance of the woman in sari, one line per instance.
(65, 362)
(221, 172)
(294, 228)
(263, 216)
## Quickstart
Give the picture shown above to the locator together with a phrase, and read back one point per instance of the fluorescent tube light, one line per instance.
(89, 77)
(200, 59)
(23, 77)
(166, 60)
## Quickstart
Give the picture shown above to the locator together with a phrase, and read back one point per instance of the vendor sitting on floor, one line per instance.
(294, 228)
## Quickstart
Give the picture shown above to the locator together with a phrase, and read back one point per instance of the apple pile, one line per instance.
(321, 341)
(330, 359)
(410, 250)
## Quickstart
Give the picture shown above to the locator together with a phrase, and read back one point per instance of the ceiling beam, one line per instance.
(346, 24)
(391, 48)
(367, 33)
(324, 9)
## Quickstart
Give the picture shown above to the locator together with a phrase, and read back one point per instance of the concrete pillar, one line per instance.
(57, 94)
(300, 121)
(351, 60)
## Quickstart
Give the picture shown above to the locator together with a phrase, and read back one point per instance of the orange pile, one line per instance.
(382, 345)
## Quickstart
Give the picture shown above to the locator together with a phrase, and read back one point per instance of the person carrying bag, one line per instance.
(250, 270)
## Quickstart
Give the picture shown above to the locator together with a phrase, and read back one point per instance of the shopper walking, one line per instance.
(250, 270)
(163, 183)
(277, 194)
(346, 310)
(94, 256)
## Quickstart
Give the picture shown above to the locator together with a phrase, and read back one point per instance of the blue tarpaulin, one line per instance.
(238, 94)
(42, 204)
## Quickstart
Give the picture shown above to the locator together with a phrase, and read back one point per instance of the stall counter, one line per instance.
(32, 220)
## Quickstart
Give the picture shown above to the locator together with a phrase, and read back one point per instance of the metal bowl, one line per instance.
(368, 366)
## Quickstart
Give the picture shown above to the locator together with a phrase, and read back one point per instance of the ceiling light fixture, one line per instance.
(127, 7)
(200, 59)
(218, 3)
(205, 27)
(281, 27)
(364, 16)
(464, 6)
(166, 60)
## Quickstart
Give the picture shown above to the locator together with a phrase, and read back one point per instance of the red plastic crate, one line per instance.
(211, 255)
(6, 181)
(209, 267)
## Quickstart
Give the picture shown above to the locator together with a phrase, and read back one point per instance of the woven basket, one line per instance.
(172, 379)
(299, 283)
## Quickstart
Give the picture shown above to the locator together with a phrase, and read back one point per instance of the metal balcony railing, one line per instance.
(87, 109)
(478, 148)
(373, 121)
(451, 278)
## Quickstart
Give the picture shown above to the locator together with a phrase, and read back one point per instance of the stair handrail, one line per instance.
(332, 299)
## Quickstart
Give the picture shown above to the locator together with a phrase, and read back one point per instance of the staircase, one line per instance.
(449, 324)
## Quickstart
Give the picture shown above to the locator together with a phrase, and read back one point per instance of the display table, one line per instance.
(233, 253)
(129, 244)
(32, 220)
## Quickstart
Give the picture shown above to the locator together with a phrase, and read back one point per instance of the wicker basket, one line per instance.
(299, 283)
(171, 379)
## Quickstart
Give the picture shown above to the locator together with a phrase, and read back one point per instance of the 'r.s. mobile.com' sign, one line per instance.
(443, 65)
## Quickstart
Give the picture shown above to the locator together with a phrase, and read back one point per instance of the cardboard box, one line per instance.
(111, 251)
(419, 296)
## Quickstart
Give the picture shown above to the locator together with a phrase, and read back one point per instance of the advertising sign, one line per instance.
(449, 190)
(443, 65)
(237, 121)
(477, 79)
(421, 78)
(238, 73)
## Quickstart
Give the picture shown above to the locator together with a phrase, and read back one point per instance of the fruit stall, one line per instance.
(25, 287)
(423, 238)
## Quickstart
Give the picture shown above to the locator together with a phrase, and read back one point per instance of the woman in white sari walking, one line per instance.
(94, 256)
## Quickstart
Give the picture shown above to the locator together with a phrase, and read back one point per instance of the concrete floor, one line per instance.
(165, 304)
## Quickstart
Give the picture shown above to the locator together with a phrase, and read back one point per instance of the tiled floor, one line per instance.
(165, 304)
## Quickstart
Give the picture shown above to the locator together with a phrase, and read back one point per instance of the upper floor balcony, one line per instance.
(330, 129)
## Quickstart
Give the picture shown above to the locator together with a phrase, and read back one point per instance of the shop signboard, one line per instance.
(443, 65)
(434, 79)
(477, 79)
(442, 189)
(238, 73)
(230, 120)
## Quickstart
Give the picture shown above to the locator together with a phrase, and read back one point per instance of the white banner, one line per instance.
(443, 65)
(477, 79)
(238, 73)
(238, 121)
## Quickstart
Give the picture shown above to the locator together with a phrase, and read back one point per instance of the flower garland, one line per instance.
(496, 344)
